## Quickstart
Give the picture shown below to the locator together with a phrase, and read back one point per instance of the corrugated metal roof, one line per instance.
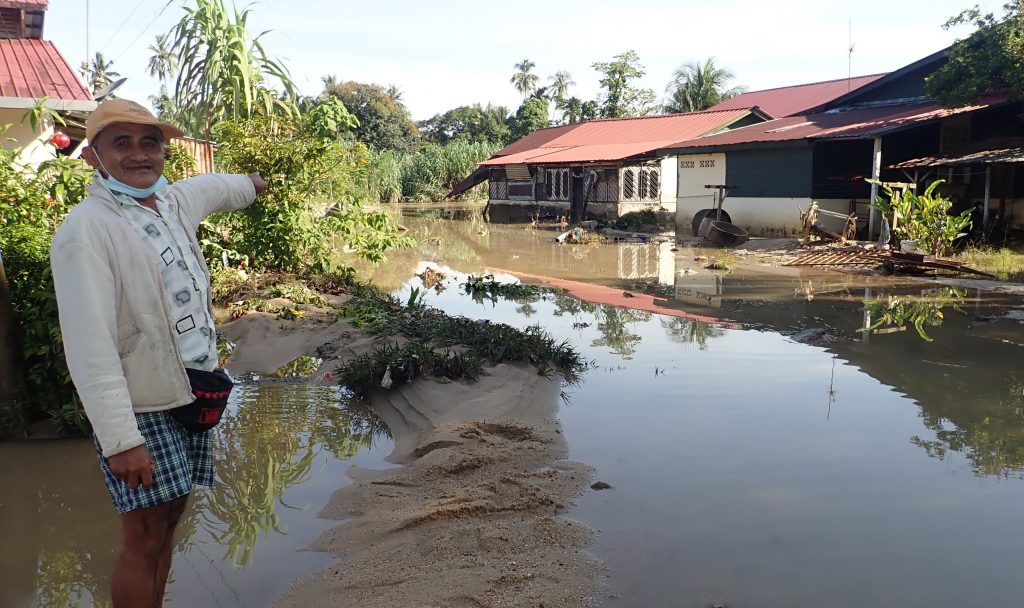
(615, 138)
(797, 99)
(855, 124)
(989, 152)
(535, 140)
(24, 3)
(31, 69)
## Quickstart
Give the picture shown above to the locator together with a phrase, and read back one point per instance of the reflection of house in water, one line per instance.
(700, 288)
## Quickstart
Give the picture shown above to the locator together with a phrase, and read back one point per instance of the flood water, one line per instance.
(877, 468)
(280, 452)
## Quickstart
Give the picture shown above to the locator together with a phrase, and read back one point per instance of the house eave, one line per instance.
(60, 105)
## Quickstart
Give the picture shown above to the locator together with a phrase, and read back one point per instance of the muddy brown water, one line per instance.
(747, 469)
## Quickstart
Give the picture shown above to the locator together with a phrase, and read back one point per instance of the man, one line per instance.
(133, 294)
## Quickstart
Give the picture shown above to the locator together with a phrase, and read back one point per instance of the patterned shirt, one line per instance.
(185, 284)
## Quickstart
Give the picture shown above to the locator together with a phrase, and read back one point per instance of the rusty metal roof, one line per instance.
(797, 99)
(536, 139)
(862, 123)
(31, 68)
(24, 3)
(1008, 150)
(614, 138)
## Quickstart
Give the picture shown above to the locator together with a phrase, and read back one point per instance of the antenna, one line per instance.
(849, 58)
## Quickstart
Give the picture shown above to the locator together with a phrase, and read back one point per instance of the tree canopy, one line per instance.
(384, 123)
(530, 116)
(990, 59)
(698, 86)
(475, 123)
(619, 97)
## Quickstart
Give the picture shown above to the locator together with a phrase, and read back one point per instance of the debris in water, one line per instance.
(386, 381)
(600, 485)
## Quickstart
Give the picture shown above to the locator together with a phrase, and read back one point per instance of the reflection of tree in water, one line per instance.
(568, 305)
(690, 331)
(65, 577)
(268, 445)
(988, 432)
(613, 323)
(894, 313)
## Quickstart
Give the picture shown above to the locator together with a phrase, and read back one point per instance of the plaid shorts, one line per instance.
(183, 459)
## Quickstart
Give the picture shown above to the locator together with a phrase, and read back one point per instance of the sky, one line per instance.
(445, 54)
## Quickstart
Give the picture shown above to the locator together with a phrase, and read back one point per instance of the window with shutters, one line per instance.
(10, 23)
(641, 183)
(556, 186)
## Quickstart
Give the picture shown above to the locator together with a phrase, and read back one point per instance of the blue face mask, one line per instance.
(118, 186)
(115, 185)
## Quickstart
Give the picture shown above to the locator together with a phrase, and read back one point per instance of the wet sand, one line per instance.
(474, 516)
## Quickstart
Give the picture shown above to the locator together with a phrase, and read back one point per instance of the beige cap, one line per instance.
(122, 110)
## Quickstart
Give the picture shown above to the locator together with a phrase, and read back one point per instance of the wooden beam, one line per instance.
(876, 172)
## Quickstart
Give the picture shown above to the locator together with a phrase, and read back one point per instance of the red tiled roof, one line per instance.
(798, 99)
(859, 123)
(614, 138)
(31, 68)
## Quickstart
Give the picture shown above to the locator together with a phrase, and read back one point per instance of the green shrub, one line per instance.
(33, 201)
(924, 218)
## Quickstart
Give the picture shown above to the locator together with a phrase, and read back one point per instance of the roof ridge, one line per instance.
(674, 114)
(811, 84)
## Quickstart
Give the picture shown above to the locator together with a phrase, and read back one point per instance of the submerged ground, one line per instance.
(747, 468)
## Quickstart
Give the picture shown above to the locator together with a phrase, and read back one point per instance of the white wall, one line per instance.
(691, 195)
(34, 147)
(669, 173)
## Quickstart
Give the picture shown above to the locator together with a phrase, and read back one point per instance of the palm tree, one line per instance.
(696, 87)
(329, 80)
(560, 84)
(163, 64)
(523, 80)
(224, 71)
(394, 93)
(99, 74)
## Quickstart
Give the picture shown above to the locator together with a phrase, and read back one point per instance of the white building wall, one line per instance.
(694, 172)
(669, 173)
(35, 150)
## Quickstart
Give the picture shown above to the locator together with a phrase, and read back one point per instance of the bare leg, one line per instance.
(145, 561)
(163, 567)
(143, 533)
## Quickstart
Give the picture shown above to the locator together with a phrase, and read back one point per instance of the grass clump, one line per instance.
(442, 345)
(636, 219)
(1006, 264)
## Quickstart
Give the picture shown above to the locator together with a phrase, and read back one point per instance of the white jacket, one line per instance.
(114, 317)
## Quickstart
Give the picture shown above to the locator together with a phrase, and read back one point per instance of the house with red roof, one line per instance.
(32, 69)
(605, 167)
(884, 129)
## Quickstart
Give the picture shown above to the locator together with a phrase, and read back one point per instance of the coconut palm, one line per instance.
(224, 71)
(523, 80)
(696, 87)
(163, 63)
(560, 84)
(329, 80)
(394, 93)
(99, 74)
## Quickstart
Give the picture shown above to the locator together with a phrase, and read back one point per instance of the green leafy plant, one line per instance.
(924, 217)
(33, 201)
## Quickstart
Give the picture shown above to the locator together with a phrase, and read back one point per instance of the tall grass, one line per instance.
(427, 174)
(1006, 264)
